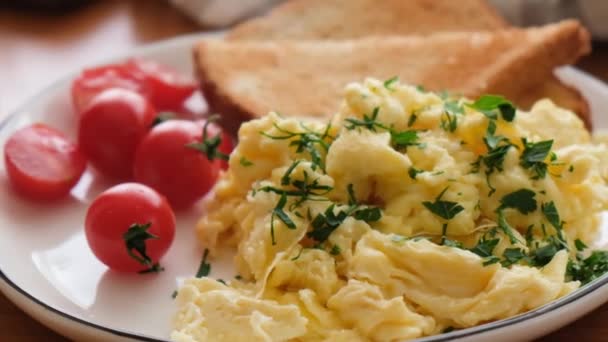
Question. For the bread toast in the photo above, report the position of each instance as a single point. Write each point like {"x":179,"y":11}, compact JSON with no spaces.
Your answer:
{"x":349,"y":19}
{"x":249,"y":79}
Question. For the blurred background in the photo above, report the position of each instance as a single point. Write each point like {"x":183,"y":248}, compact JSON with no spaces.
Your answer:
{"x":43,"y":40}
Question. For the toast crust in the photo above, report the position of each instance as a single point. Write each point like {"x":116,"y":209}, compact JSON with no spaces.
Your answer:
{"x":245,"y":80}
{"x":347,"y":19}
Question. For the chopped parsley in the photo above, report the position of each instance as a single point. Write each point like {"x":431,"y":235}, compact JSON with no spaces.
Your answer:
{"x":325,"y":223}
{"x":542,"y":255}
{"x":485,"y":249}
{"x":399,"y":139}
{"x":135,"y":241}
{"x":245,"y":162}
{"x":204,"y":268}
{"x":335,"y":250}
{"x":444,"y":209}
{"x":522,"y":200}
{"x":279,"y":213}
{"x":209,"y":146}
{"x":534,"y":155}
{"x":513,"y":256}
{"x":412,"y":120}
{"x":550,"y":212}
{"x":449,"y":119}
{"x":403,"y":139}
{"x":506,"y":227}
{"x":372,"y":214}
{"x":489,"y":104}
{"x":413,"y":172}
{"x":313,"y":143}
{"x":580,"y":245}
{"x":498,"y":147}
{"x":588,"y":269}
{"x":388,"y":83}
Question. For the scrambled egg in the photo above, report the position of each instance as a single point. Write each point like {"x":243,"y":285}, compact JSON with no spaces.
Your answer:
{"x":408,"y":214}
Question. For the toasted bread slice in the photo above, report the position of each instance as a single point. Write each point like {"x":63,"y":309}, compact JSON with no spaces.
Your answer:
{"x":249,"y":79}
{"x":349,"y":19}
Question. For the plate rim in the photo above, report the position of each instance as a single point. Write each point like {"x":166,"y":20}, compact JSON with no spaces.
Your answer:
{"x":476,"y":330}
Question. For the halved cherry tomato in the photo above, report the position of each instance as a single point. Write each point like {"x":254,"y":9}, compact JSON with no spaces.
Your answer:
{"x":161,"y":85}
{"x":95,"y":80}
{"x":42,"y":163}
{"x":130,"y":227}
{"x":167,"y":89}
{"x":168,"y":160}
{"x":111,"y":127}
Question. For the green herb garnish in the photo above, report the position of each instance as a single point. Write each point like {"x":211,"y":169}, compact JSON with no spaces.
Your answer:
{"x":489,"y":104}
{"x":135,"y":241}
{"x":413,"y":172}
{"x":588,"y":269}
{"x":204,"y":268}
{"x":308,"y":141}
{"x":534,"y":155}
{"x":444,"y":209}
{"x":209,"y":146}
{"x":388,"y":83}
{"x":245,"y":162}
{"x":523,"y":200}
{"x":335,"y":250}
{"x":513,"y":256}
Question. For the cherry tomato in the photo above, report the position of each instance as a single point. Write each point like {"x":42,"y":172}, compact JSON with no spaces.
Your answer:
{"x":111,"y":128}
{"x":125,"y":218}
{"x":167,"y":160}
{"x":167,"y":89}
{"x":42,"y":163}
{"x":95,"y":80}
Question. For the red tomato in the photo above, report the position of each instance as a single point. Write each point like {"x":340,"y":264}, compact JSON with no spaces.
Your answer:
{"x":95,"y":80}
{"x":166,"y":161}
{"x":111,"y":128}
{"x":167,"y":89}
{"x":124,"y":217}
{"x":42,"y":163}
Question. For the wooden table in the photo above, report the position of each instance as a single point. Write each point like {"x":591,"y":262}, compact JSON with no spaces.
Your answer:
{"x":37,"y":48}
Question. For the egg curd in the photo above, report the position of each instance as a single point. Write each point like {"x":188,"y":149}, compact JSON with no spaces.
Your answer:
{"x":409,"y":214}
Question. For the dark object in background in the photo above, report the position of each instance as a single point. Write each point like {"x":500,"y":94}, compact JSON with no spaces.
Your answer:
{"x":45,"y":5}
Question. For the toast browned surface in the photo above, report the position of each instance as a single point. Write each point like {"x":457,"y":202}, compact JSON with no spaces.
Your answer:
{"x":349,"y":19}
{"x":249,"y":79}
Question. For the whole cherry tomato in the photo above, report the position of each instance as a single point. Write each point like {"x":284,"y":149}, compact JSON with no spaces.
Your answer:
{"x":174,"y":160}
{"x":130,"y":227}
{"x":111,"y":127}
{"x":42,"y":163}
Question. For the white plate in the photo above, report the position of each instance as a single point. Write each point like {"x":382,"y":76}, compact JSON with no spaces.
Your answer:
{"x":47,"y":269}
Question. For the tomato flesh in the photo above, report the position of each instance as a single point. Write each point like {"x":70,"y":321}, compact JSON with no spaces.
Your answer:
{"x":111,"y":128}
{"x":226,"y":146}
{"x":42,"y":163}
{"x":165,"y":163}
{"x":118,"y":208}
